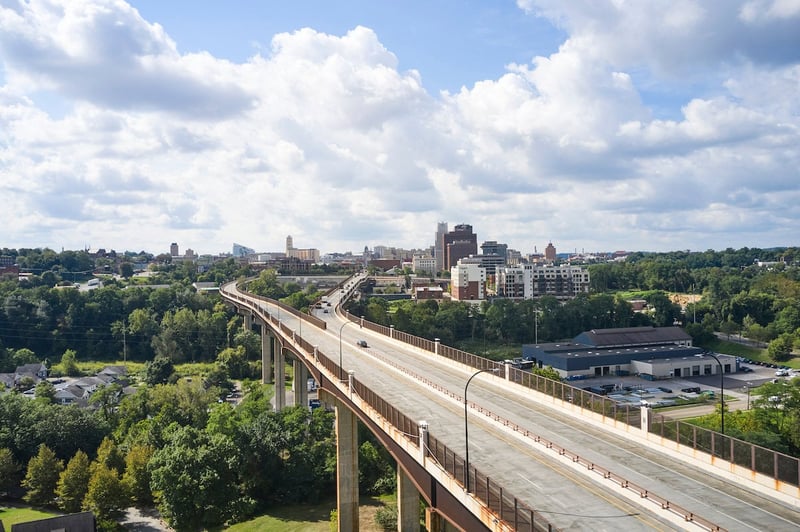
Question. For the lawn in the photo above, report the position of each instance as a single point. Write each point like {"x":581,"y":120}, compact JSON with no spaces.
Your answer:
{"x":312,"y":518}
{"x":11,"y":515}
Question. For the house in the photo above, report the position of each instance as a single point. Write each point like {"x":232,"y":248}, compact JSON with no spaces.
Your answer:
{"x":37,"y":372}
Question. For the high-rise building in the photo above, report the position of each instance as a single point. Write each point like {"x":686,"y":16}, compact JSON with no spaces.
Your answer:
{"x":491,"y":247}
{"x":289,"y":244}
{"x":550,"y":252}
{"x":173,"y":249}
{"x":459,"y":243}
{"x":242,"y":251}
{"x":438,"y":246}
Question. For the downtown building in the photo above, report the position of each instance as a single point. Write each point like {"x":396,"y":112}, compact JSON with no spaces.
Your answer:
{"x":532,"y":280}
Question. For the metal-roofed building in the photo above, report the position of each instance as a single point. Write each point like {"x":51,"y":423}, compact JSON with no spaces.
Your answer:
{"x":651,"y":352}
{"x":634,"y":336}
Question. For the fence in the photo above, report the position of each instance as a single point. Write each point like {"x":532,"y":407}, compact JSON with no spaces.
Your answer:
{"x":781,"y":467}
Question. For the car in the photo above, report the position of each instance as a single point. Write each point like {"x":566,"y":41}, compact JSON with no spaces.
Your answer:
{"x":782,"y":373}
{"x":362,"y":343}
{"x":665,"y":390}
{"x":692,"y":389}
{"x":325,"y":311}
{"x":746,"y":369}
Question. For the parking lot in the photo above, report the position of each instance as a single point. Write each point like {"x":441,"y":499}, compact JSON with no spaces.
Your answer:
{"x":635,"y":390}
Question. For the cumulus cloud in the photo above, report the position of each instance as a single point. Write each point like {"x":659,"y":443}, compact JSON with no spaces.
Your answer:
{"x":323,"y":137}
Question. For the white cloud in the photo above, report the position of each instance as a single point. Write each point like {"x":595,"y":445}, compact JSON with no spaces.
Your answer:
{"x":325,"y":139}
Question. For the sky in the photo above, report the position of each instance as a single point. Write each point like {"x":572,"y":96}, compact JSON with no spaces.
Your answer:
{"x":597,"y":125}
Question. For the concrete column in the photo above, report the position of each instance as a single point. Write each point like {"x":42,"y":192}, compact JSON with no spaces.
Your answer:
{"x":407,"y":503}
{"x":346,"y":469}
{"x":508,"y":370}
{"x":280,"y":378}
{"x":391,"y":331}
{"x":267,"y":354}
{"x":300,"y":384}
{"x":646,"y":412}
{"x":436,"y":344}
{"x":248,"y":320}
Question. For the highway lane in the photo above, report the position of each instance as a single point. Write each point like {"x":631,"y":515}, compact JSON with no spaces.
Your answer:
{"x":524,"y":470}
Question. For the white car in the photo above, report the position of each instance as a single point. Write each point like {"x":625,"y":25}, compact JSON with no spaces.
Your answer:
{"x":782,"y":373}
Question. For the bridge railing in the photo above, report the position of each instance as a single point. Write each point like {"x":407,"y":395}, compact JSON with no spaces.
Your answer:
{"x":510,"y":509}
{"x":781,"y":467}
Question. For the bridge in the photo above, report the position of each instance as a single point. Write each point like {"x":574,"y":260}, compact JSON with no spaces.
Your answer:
{"x":491,"y":447}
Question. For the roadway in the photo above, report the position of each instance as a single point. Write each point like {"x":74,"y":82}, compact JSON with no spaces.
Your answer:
{"x":570,"y":497}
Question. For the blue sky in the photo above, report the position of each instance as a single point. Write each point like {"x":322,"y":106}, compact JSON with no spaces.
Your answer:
{"x":451,"y":43}
{"x":595,"y":124}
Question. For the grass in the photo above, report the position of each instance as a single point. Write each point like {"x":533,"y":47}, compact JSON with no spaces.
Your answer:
{"x":312,"y":517}
{"x":11,"y":515}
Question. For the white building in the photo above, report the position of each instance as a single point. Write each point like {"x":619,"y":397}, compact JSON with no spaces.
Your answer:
{"x":424,"y":264}
{"x":536,"y":280}
{"x":468,"y":282}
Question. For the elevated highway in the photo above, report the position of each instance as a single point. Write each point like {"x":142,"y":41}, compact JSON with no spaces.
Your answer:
{"x":538,"y":459}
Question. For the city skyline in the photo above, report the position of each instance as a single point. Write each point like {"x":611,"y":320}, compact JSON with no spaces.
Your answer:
{"x":599,"y":126}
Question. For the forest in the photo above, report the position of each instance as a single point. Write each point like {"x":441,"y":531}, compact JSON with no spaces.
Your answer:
{"x":173,"y":444}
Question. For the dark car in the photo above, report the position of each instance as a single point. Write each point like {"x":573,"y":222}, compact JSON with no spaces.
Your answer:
{"x":746,"y":369}
{"x":362,"y":343}
{"x":693,"y":389}
{"x":665,"y":390}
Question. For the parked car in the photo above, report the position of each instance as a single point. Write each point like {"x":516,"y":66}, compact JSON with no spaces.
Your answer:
{"x":692,"y":389}
{"x":665,"y":390}
{"x":362,"y":343}
{"x":782,"y":373}
{"x":745,"y":369}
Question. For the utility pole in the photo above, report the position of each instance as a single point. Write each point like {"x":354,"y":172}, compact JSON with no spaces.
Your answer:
{"x":124,"y":342}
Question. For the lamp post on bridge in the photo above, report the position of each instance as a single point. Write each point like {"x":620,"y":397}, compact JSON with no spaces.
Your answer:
{"x":466,"y":424}
{"x":721,"y":392}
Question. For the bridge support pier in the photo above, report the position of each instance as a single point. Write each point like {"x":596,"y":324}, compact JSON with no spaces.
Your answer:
{"x":407,"y":503}
{"x":267,"y":355}
{"x":346,"y":468}
{"x":300,"y":384}
{"x":280,"y":378}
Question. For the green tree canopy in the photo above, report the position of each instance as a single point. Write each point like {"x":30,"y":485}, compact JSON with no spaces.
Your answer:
{"x":41,"y":478}
{"x":73,"y":483}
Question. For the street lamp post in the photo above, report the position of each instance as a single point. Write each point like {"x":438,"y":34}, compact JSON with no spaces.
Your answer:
{"x":466,"y":425}
{"x":536,"y":326}
{"x":721,"y":392}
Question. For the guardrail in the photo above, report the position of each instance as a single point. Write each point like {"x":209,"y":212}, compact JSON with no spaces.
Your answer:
{"x":779,"y":466}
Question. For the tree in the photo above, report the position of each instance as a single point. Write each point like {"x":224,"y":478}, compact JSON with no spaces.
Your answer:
{"x":195,"y":479}
{"x":137,"y":478}
{"x":109,"y":456}
{"x":24,"y":356}
{"x":106,"y":495}
{"x":45,"y":392}
{"x":9,"y":470}
{"x":234,"y":360}
{"x":69,"y":363}
{"x":780,"y":349}
{"x":158,"y":371}
{"x":126,"y":270}
{"x":73,"y":483}
{"x":41,"y":478}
